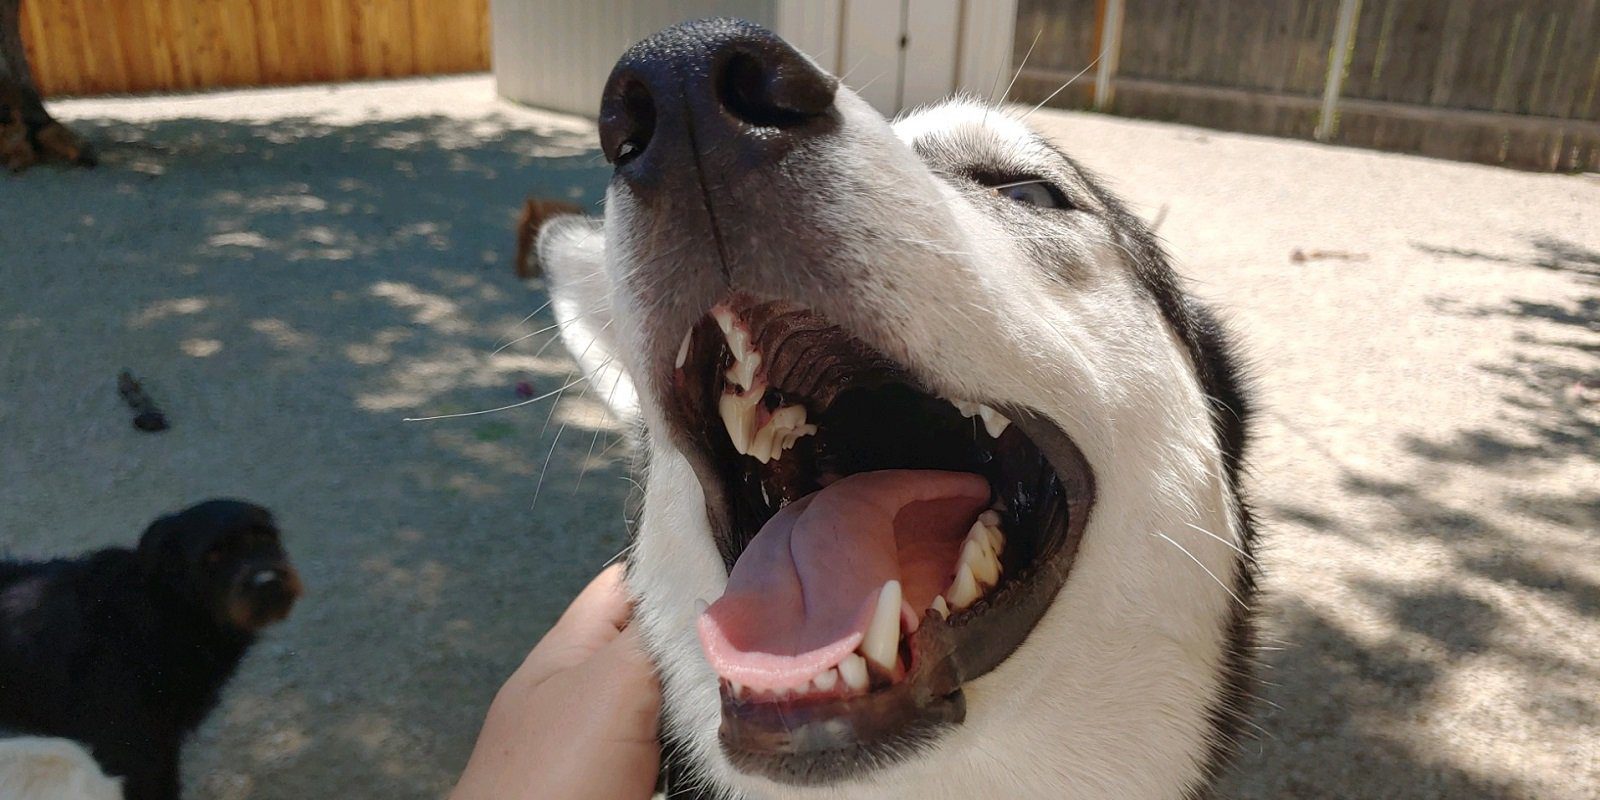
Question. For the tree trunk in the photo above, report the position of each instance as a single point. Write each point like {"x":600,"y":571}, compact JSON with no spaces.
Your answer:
{"x":28,"y":134}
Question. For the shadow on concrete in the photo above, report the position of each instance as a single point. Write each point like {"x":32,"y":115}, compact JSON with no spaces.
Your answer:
{"x":289,"y":292}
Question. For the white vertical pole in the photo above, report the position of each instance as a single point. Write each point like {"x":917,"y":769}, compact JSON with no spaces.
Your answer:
{"x":1338,"y":63}
{"x":1110,"y":51}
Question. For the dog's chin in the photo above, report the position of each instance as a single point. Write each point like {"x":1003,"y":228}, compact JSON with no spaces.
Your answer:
{"x":942,"y":529}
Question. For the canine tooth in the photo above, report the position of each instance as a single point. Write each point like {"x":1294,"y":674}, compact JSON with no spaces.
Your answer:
{"x":993,"y":421}
{"x":881,"y":645}
{"x":982,"y":563}
{"x":942,"y":607}
{"x":853,"y":669}
{"x":743,"y":371}
{"x":736,"y":688}
{"x":826,"y":679}
{"x":964,"y":589}
{"x":724,"y":317}
{"x":739,"y":416}
{"x":683,"y":349}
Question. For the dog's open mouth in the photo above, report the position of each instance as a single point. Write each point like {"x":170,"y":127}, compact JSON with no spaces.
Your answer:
{"x":884,"y":544}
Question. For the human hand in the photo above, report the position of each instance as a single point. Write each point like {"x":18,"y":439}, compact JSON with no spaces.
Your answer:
{"x":578,"y":718}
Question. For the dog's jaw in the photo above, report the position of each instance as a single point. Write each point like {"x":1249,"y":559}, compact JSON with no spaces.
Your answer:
{"x":1115,"y":691}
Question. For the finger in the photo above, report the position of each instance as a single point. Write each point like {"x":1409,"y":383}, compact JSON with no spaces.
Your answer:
{"x":626,"y":678}
{"x":593,"y":619}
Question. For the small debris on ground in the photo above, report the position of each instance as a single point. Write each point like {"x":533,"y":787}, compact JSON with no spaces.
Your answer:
{"x":1302,"y":256}
{"x":147,"y":417}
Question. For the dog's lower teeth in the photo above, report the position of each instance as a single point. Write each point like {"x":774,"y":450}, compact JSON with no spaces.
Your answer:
{"x":963,"y":590}
{"x":881,"y":645}
{"x":853,"y":669}
{"x":942,"y":607}
{"x":825,"y":681}
{"x":978,"y":569}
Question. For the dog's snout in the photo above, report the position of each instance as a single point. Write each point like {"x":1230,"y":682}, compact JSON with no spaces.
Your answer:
{"x":707,"y":89}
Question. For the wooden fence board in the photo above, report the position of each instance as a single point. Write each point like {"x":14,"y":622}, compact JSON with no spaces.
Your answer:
{"x":1515,"y":83}
{"x":81,"y":47}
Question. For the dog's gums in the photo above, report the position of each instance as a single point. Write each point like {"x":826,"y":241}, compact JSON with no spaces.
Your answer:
{"x":884,"y":544}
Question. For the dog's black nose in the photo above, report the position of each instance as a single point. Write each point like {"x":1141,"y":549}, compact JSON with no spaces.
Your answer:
{"x":723,"y":91}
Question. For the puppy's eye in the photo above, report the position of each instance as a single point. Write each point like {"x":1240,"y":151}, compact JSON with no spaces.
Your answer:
{"x":1033,"y":193}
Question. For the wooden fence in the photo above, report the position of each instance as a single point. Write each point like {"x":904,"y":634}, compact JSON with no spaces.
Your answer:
{"x":113,"y":46}
{"x":1495,"y":81}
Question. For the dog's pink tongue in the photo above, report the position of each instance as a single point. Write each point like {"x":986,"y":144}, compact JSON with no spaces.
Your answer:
{"x":802,"y":594}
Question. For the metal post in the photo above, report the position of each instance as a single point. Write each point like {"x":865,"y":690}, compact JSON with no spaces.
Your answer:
{"x":1338,"y":63}
{"x":1110,"y":51}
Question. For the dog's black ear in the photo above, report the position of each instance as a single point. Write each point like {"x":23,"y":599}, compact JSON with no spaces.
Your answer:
{"x":160,"y":549}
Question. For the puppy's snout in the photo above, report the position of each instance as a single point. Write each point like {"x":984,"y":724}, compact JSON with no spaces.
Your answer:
{"x":701,"y":91}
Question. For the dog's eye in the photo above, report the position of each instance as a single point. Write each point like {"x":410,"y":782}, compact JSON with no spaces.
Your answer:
{"x":1033,"y":193}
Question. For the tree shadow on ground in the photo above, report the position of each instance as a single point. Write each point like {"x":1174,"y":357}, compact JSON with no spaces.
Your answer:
{"x":1355,"y":698}
{"x":289,"y":292}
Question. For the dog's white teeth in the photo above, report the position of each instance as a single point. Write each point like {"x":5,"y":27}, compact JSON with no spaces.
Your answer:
{"x":724,"y":317}
{"x":993,"y":421}
{"x":826,"y":680}
{"x":977,"y":556}
{"x":963,"y":590}
{"x":853,"y":669}
{"x":736,"y":688}
{"x":881,"y":645}
{"x":781,"y":431}
{"x":942,"y":607}
{"x":746,"y":360}
{"x":978,"y":568}
{"x":739,"y":417}
{"x":683,"y":349}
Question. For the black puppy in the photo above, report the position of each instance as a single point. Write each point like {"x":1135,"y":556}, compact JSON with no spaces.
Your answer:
{"x":127,"y":650}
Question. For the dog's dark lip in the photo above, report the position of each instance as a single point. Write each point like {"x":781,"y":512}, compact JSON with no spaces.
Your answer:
{"x":808,"y":740}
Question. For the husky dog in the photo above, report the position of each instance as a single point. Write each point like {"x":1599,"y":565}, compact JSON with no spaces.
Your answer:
{"x":943,"y":464}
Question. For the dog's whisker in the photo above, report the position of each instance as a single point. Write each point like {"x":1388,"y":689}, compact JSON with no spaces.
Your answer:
{"x":1201,"y":565}
{"x":524,"y":320}
{"x":519,"y":404}
{"x":551,"y":327}
{"x":1236,"y":548}
{"x":589,"y":457}
{"x":992,"y":99}
{"x":1070,"y":81}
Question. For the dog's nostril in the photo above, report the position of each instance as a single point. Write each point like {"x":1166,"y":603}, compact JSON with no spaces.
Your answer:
{"x":774,"y":90}
{"x":625,"y":136}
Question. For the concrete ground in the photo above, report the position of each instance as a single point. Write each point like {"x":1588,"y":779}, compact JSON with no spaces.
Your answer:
{"x":294,"y":272}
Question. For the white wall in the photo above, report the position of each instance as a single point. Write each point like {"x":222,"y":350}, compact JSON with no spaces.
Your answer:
{"x":558,"y":53}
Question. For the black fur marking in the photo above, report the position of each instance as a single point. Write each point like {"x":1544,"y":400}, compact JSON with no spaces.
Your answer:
{"x":1226,"y":390}
{"x":127,"y":650}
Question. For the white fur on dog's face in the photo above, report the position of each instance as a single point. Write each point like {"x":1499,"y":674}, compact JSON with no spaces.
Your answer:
{"x":1113,"y":693}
